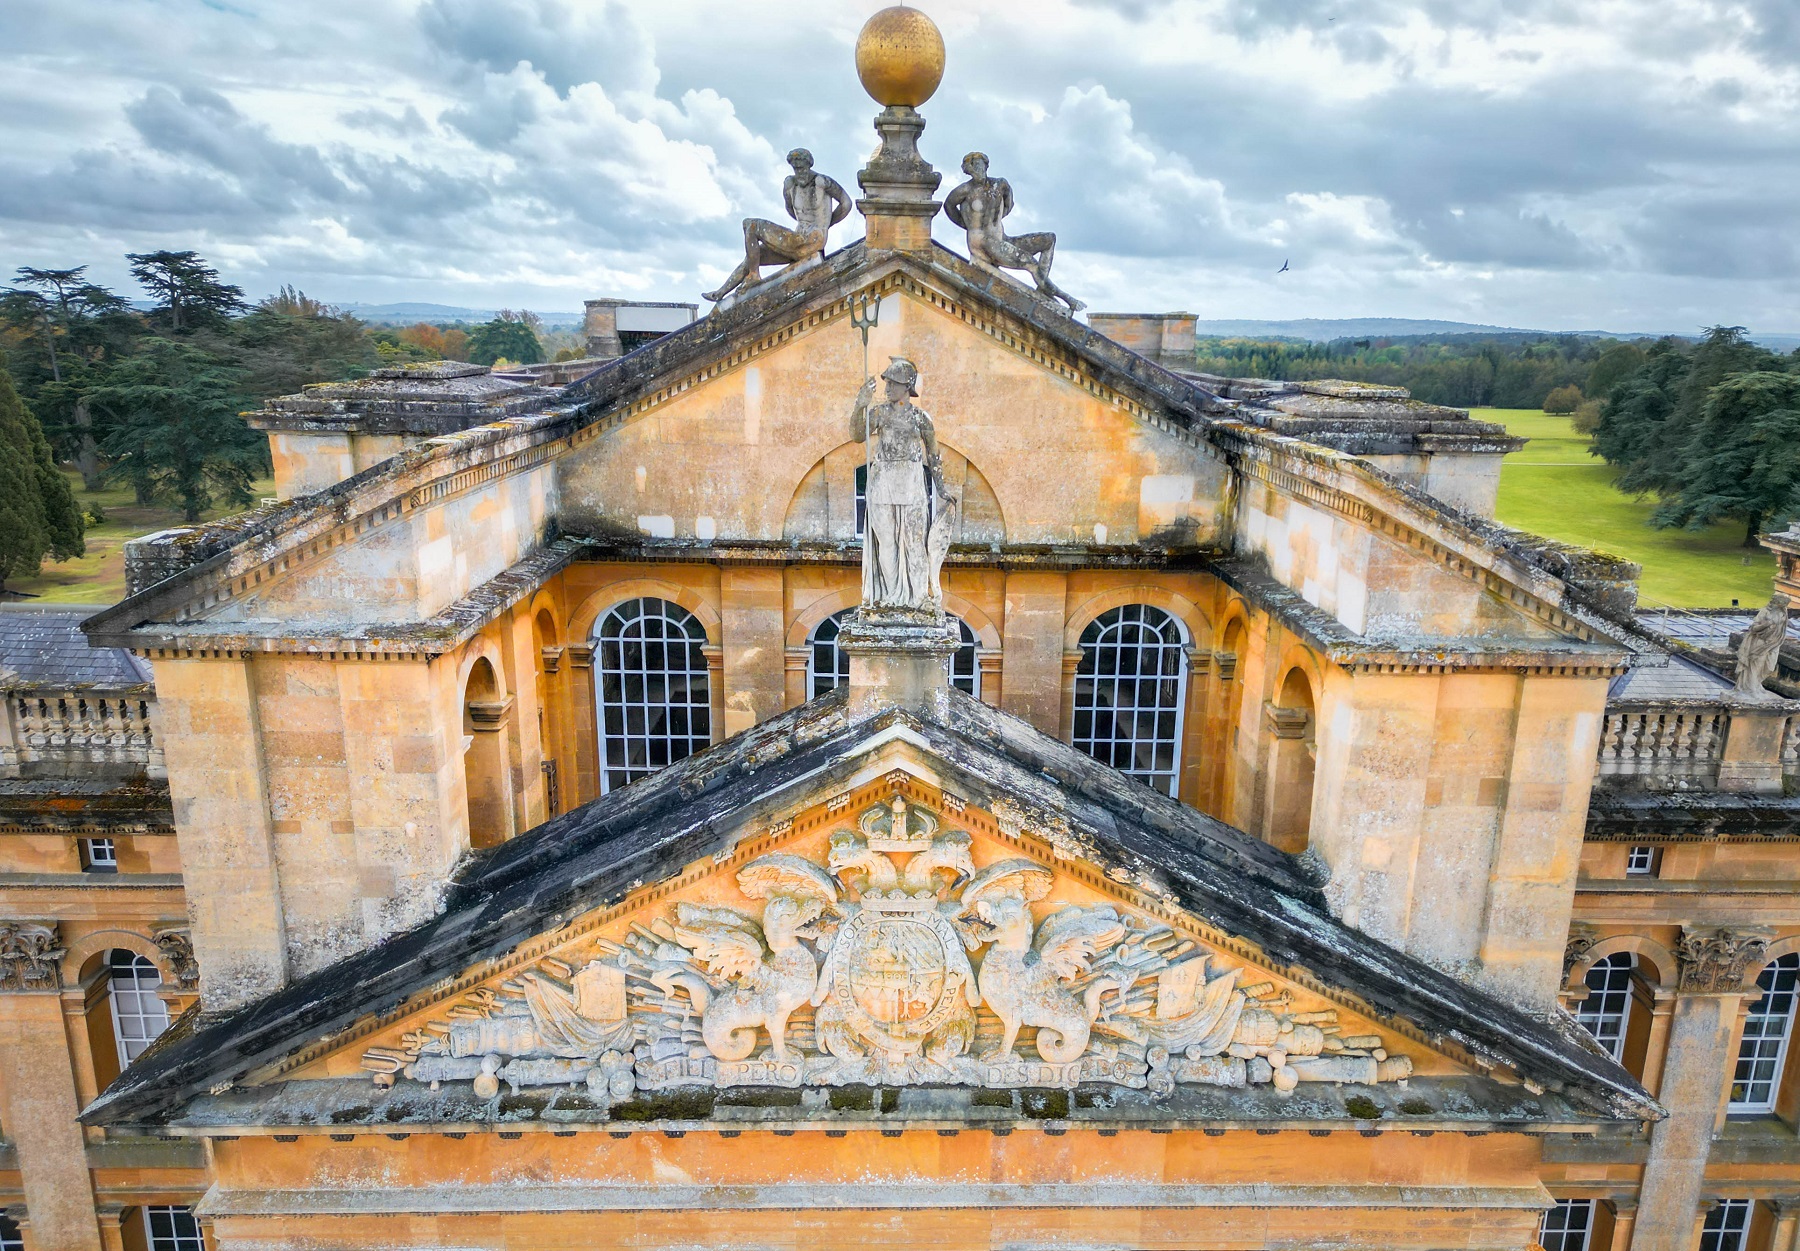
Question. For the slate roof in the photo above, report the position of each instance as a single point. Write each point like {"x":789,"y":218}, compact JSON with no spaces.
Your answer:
{"x":1679,"y":679}
{"x":45,"y":648}
{"x":594,"y":856}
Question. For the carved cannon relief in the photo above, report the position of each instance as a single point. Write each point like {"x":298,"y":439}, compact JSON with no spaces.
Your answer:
{"x":896,"y":962}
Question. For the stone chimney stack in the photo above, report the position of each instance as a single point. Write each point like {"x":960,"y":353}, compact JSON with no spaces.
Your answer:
{"x":900,"y":59}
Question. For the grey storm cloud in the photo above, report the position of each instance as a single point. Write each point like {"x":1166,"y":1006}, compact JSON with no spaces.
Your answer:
{"x":1411,"y":157}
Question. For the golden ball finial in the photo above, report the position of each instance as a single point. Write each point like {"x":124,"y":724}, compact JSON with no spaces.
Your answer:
{"x":900,"y":57}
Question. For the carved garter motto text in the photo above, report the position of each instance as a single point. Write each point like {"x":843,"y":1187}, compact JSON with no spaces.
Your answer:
{"x":897,"y":962}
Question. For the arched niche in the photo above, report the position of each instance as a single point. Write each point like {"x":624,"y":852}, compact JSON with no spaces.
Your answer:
{"x":486,"y":779}
{"x":1293,"y":746}
{"x":823,"y":508}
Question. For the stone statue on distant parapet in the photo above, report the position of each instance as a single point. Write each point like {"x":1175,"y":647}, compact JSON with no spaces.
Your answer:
{"x":1760,"y":651}
{"x":814,"y":200}
{"x":979,"y":206}
{"x":910,"y":510}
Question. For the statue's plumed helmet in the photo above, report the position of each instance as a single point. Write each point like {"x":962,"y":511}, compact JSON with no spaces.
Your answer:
{"x":800,"y":156}
{"x":904,"y":372}
{"x":969,"y":161}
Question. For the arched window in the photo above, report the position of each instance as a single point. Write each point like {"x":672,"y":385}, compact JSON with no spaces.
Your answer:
{"x":1130,"y":693}
{"x":1566,"y":1226}
{"x":655,"y":701}
{"x":1763,"y":1052}
{"x":138,"y":1016}
{"x":828,"y":666}
{"x":172,"y":1228}
{"x":1727,"y":1226}
{"x":1606,"y":1012}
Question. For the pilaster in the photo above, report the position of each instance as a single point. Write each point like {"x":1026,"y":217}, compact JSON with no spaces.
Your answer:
{"x":1032,"y":647}
{"x":42,"y":1098}
{"x":212,"y":740}
{"x":1695,"y":1076}
{"x":751,"y":612}
{"x":583,"y":774}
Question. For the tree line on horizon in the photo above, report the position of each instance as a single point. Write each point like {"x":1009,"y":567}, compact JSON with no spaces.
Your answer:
{"x":154,"y":396}
{"x":1708,"y":426}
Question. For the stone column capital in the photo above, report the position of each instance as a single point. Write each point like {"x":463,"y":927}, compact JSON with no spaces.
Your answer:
{"x":31,"y":955}
{"x":1582,"y":938}
{"x":1714,"y":961}
{"x":178,"y":948}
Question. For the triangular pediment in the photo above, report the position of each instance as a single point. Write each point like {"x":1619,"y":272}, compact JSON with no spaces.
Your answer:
{"x":629,"y":959}
{"x":751,"y":406}
{"x":894,"y":935}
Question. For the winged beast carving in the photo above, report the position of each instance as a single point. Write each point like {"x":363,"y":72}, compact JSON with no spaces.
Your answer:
{"x":768,"y":971}
{"x":897,"y":961}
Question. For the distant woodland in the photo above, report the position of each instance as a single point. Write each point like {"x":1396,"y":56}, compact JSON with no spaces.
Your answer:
{"x":148,"y":390}
{"x":1710,"y":427}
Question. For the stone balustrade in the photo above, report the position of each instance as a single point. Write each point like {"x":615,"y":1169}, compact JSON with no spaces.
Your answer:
{"x":1672,"y":745}
{"x":46,"y":733}
{"x":1677,"y":746}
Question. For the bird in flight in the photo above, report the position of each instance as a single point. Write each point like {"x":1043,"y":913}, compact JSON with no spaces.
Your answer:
{"x":1284,"y":267}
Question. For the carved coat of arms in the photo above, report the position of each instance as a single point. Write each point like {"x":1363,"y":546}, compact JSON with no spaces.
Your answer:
{"x":896,"y":962}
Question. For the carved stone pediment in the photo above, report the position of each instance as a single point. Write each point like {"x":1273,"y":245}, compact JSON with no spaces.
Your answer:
{"x":894,"y":937}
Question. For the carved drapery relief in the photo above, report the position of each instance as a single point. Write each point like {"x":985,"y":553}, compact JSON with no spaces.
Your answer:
{"x":178,"y":949}
{"x":896,"y":962}
{"x":1714,"y":961}
{"x":30,"y":956}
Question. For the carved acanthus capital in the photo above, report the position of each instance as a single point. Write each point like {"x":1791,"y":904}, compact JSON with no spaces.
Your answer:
{"x":1582,"y":938}
{"x":1714,"y":961}
{"x":30,"y":956}
{"x":178,"y":949}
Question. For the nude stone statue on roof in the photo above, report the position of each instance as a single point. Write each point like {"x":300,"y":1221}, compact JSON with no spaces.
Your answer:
{"x":979,"y":206}
{"x":910,"y":510}
{"x":1759,"y":654}
{"x":814,"y":200}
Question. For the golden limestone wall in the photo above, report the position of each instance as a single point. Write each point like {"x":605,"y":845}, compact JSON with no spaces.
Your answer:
{"x":965,"y":1190}
{"x":726,"y":456}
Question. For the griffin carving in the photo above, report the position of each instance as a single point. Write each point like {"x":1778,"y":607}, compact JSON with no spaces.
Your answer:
{"x":1042,"y":982}
{"x":766,"y":971}
{"x":896,"y":962}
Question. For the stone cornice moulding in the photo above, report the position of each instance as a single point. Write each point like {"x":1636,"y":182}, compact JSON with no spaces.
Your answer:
{"x":1345,"y":484}
{"x":409,"y":640}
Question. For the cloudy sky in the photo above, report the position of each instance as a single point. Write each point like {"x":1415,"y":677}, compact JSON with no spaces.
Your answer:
{"x":1566,"y":164}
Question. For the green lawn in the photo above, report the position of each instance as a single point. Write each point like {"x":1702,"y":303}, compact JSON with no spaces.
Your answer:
{"x":1554,"y":488}
{"x":99,"y":576}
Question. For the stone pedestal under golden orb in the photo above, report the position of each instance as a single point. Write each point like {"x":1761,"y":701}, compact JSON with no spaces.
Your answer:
{"x":900,"y":59}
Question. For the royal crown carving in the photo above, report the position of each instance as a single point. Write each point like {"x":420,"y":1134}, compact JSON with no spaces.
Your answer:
{"x":895,"y":962}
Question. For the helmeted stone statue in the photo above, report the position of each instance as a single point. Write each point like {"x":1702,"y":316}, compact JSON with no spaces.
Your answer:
{"x":814,"y":200}
{"x":910,"y":510}
{"x":979,"y":206}
{"x":1759,"y":653}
